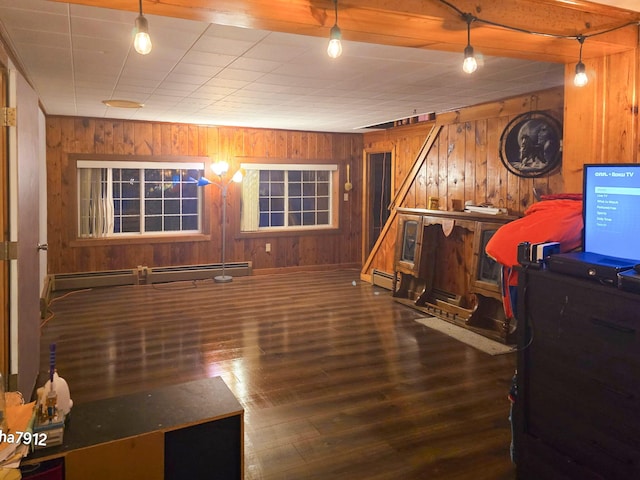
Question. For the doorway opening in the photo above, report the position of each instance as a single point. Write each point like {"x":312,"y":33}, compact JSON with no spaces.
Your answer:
{"x":379,"y":197}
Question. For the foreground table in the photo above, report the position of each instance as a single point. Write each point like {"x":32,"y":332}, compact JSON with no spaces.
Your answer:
{"x":191,"y":430}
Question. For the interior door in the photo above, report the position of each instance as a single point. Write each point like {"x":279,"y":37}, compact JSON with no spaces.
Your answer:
{"x":24,"y":171}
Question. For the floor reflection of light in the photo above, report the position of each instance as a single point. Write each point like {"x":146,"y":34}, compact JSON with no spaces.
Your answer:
{"x":233,"y":373}
{"x":112,"y":354}
{"x":239,"y":373}
{"x":212,"y":367}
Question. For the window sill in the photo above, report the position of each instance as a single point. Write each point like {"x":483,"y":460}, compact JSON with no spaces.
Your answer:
{"x":138,"y":240}
{"x":289,"y":233}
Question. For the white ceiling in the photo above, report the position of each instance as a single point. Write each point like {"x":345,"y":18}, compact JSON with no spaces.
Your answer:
{"x":76,"y":56}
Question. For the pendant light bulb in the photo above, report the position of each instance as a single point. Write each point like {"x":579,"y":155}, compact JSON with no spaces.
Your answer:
{"x":334,"y":50}
{"x":581,"y":79}
{"x":142,"y":40}
{"x":470,"y":63}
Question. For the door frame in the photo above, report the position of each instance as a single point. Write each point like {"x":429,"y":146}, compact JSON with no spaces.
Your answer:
{"x":383,"y":147}
{"x":4,"y":236}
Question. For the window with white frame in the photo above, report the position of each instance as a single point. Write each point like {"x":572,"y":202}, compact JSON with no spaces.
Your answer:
{"x":118,"y":198}
{"x":288,"y":196}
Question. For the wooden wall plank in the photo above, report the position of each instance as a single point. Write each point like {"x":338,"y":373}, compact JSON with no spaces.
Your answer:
{"x":67,"y":136}
{"x":465,"y":163}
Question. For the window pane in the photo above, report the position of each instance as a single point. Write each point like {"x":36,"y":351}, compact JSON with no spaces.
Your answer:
{"x":295,"y":189}
{"x":153,"y":224}
{"x":129,"y":190}
{"x":323,"y":203}
{"x":308,"y":218}
{"x":153,"y":175}
{"x":323,"y":176}
{"x":277,"y":205}
{"x":190,"y":222}
{"x":131,"y":207}
{"x":295,"y":219}
{"x":323,"y":189}
{"x":277,"y":189}
{"x":277,"y":219}
{"x":323,"y":218}
{"x":130,"y":175}
{"x":309,"y":189}
{"x":295,"y":176}
{"x":309,"y":204}
{"x":190,"y":207}
{"x":171,"y":207}
{"x":309,"y":176}
{"x":189,"y":190}
{"x":277,"y":175}
{"x":172,"y":224}
{"x":295,"y":204}
{"x":153,"y":207}
{"x":130,"y":225}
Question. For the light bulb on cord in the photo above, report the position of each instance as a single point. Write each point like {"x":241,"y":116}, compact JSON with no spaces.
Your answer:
{"x":334,"y":50}
{"x":470,"y":64}
{"x":142,"y":40}
{"x":581,"y":79}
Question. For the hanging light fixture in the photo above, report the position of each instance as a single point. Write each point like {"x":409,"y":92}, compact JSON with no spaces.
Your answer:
{"x":334,"y":50}
{"x":470,"y":64}
{"x":581,"y":79}
{"x":142,"y":41}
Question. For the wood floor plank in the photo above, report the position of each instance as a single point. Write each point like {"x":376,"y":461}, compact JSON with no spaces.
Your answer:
{"x":337,"y":381}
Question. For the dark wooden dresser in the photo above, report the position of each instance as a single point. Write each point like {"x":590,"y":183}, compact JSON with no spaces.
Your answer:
{"x":577,"y":414}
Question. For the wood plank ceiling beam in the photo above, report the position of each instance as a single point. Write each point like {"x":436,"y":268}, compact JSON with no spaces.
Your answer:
{"x":422,"y":24}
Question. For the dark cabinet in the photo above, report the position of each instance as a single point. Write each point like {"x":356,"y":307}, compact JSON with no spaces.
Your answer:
{"x":578,"y":408}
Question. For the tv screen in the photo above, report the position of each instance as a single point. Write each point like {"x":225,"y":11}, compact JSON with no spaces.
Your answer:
{"x":610,"y":210}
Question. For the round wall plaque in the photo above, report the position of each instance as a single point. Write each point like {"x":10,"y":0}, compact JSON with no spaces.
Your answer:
{"x":531,"y":144}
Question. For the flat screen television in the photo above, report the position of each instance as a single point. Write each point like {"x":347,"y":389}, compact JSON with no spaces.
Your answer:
{"x":611,"y":210}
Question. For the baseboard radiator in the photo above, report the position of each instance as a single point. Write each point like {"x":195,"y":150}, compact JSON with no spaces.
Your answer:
{"x":382,"y":279}
{"x":196,"y":272}
{"x":143,"y":275}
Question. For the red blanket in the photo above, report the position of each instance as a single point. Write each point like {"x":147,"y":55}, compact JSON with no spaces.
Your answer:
{"x":558,"y":220}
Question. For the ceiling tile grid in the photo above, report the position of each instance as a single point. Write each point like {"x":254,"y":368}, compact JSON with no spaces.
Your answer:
{"x":77,"y":56}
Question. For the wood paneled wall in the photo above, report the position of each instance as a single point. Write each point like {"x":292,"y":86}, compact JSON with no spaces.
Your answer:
{"x":601,"y":118}
{"x":67,"y":136}
{"x":464,"y":162}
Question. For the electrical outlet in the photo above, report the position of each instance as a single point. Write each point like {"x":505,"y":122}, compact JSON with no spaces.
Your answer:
{"x":346,"y":197}
{"x":267,"y":248}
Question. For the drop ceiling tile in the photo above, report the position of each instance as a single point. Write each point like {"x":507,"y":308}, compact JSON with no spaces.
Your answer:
{"x":51,"y":22}
{"x":222,"y":45}
{"x":206,"y":58}
{"x":239,"y":75}
{"x":184,"y":68}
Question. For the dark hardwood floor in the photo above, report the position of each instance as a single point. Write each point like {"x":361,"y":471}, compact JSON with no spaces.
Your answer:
{"x":337,"y":381}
